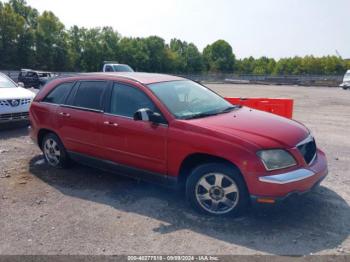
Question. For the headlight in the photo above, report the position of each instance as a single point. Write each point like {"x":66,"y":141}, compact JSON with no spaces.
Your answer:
{"x":276,"y":159}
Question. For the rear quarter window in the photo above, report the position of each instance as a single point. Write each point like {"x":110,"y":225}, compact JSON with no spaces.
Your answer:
{"x":59,"y":93}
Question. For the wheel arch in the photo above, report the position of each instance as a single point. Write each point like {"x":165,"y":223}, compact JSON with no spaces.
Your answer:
{"x":42,"y":133}
{"x":195,"y":159}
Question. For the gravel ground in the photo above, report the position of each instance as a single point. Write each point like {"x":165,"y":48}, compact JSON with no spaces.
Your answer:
{"x":87,"y":211}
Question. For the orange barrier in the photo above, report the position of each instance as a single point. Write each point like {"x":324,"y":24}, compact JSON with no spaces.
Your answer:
{"x":278,"y":106}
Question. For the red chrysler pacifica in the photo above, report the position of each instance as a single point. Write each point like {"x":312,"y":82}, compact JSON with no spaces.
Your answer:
{"x":176,"y":132}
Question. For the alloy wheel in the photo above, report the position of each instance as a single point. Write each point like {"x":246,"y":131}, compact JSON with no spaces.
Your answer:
{"x":52,"y":152}
{"x":217,"y":193}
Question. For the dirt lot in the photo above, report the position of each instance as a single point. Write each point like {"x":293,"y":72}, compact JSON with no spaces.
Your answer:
{"x":86,"y":211}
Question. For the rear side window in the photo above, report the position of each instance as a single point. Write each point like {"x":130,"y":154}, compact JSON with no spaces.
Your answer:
{"x":126,"y":100}
{"x":90,"y":95}
{"x":58,"y":94}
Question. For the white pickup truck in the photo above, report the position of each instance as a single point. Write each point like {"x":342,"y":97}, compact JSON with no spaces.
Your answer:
{"x":346,"y":81}
{"x":110,"y":66}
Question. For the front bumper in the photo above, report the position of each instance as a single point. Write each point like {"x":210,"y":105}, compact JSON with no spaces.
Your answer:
{"x":347,"y":84}
{"x":289,"y":177}
{"x":276,"y":187}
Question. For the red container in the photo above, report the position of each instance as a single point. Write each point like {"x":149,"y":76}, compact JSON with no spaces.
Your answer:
{"x":278,"y":106}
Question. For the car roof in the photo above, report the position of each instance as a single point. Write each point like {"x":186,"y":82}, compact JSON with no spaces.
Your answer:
{"x":34,"y":71}
{"x":144,"y":78}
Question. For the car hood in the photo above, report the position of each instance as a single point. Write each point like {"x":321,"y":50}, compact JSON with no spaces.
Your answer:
{"x":15,"y":93}
{"x":263,"y":129}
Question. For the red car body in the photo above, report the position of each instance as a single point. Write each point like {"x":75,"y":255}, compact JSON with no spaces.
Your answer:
{"x":169,"y":151}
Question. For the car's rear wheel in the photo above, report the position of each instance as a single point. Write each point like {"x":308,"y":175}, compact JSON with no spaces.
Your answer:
{"x":217,"y":189}
{"x":54,"y":151}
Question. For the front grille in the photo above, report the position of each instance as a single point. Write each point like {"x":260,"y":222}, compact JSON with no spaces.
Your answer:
{"x":25,"y":101}
{"x":15,"y":102}
{"x":308,"y":150}
{"x":4,"y":103}
{"x":14,"y":116}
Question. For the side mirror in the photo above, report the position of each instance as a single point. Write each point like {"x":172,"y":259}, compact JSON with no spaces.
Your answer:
{"x":20,"y":84}
{"x":145,"y":114}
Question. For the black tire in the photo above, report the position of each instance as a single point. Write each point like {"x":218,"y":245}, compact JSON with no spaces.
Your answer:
{"x":195,"y":190}
{"x":51,"y":144}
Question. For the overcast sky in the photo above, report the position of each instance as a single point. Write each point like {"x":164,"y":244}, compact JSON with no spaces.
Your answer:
{"x":274,"y":28}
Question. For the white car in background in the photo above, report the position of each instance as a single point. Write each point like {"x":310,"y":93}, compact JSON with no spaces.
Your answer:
{"x":346,"y":81}
{"x":110,"y":66}
{"x":14,"y":101}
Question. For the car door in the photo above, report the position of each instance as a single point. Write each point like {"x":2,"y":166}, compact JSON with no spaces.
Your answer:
{"x":47,"y":110}
{"x":80,"y":119}
{"x":137,"y":144}
{"x":29,"y":79}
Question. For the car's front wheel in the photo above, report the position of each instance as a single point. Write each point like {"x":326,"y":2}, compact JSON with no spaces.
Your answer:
{"x":54,"y":151}
{"x":217,"y":189}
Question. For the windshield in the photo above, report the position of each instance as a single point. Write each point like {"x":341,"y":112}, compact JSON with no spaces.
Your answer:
{"x":6,"y":83}
{"x":187,"y":99}
{"x":122,"y":68}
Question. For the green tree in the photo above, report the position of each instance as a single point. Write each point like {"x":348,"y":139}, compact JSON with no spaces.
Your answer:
{"x":75,"y":43}
{"x":133,"y":51}
{"x":218,"y":57}
{"x":26,"y":41}
{"x":92,"y":53}
{"x":263,"y":66}
{"x":156,"y":53}
{"x":52,"y":44}
{"x":194,"y":61}
{"x":179,"y":49}
{"x":11,"y":29}
{"x":187,"y":59}
{"x":245,"y":66}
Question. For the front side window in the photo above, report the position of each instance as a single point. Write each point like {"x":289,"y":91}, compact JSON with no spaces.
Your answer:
{"x":6,"y":82}
{"x":126,"y":100}
{"x":109,"y":69}
{"x":58,"y":94}
{"x":186,"y":99}
{"x":90,"y":95}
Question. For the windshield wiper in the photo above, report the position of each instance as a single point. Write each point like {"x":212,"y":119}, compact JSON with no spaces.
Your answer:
{"x":200,"y":115}
{"x":228,"y":109}
{"x":225,"y":110}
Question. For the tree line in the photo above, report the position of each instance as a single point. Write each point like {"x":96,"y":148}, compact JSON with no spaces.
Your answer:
{"x":29,"y":39}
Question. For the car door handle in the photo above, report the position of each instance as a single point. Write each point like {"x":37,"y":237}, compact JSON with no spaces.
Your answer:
{"x":110,"y":123}
{"x":64,"y":114}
